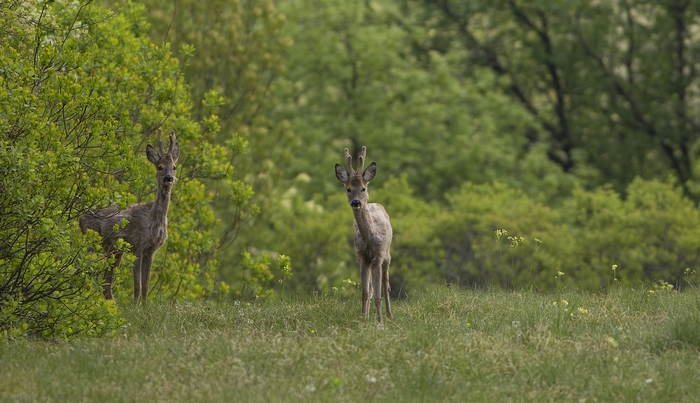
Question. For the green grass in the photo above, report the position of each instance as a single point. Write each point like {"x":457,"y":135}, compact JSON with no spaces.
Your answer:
{"x":444,"y":344}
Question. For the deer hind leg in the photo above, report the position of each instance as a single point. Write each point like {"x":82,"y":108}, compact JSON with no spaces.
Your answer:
{"x":386,"y":287}
{"x":109,"y":276}
{"x":377,"y":288}
{"x":365,"y":280}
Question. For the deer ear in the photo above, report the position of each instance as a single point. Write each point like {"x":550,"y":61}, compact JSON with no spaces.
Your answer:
{"x":369,"y":173}
{"x":341,"y":173}
{"x":152,"y":154}
{"x":175,"y":153}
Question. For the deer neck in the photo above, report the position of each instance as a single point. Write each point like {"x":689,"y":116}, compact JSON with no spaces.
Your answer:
{"x":365,"y":223}
{"x":159,"y":209}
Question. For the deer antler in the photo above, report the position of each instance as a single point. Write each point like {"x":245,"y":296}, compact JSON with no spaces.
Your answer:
{"x":361,"y":164}
{"x":161,"y":150}
{"x":348,"y":160}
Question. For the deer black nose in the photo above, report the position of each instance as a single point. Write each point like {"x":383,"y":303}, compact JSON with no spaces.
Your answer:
{"x":168,"y":178}
{"x":355,"y":203}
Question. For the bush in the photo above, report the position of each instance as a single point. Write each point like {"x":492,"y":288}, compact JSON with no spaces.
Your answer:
{"x":84,"y":91}
{"x":495,"y":235}
{"x":654,"y":234}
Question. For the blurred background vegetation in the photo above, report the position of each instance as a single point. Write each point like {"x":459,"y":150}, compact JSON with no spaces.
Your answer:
{"x":514,"y":140}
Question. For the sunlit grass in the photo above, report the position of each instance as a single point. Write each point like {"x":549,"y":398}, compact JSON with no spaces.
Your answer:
{"x":445,"y":344}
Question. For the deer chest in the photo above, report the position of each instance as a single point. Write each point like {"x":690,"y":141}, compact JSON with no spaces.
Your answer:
{"x":159,"y":235}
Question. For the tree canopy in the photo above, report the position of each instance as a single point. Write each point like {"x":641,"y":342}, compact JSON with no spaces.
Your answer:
{"x":514,"y":141}
{"x":613,"y":84}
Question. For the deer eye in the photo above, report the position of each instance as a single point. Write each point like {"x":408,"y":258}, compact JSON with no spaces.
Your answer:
{"x":174,"y":168}
{"x":160,"y":167}
{"x":348,"y":190}
{"x":363,"y":189}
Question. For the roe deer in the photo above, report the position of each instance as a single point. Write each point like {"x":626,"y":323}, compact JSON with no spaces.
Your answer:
{"x":147,"y":226}
{"x":372,"y":233}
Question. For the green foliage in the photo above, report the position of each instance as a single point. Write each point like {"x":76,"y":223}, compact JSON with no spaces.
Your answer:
{"x":84,"y":91}
{"x":233,"y":53}
{"x":232,"y":47}
{"x":476,"y":254}
{"x":319,"y":239}
{"x":256,"y":277}
{"x":651,"y":235}
{"x":482,"y":116}
{"x":610,"y":83}
{"x":518,"y":144}
{"x":55,"y":132}
{"x":353,"y":79}
{"x":416,"y":253}
{"x":496,"y":235}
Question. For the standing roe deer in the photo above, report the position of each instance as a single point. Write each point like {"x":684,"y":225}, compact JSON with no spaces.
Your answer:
{"x":372,"y":233}
{"x":147,"y":227}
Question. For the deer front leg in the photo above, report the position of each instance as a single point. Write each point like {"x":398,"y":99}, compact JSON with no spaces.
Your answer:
{"x":137,"y":277}
{"x":365,"y":283}
{"x":109,"y":276}
{"x":385,"y":286}
{"x":146,"y":274}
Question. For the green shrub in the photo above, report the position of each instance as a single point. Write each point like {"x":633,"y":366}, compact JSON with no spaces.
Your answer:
{"x":492,"y":234}
{"x":84,"y":91}
{"x":653,"y":234}
{"x":416,"y":252}
{"x":318,"y":238}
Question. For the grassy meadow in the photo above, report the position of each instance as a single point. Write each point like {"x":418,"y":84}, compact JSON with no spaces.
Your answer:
{"x":444,"y":344}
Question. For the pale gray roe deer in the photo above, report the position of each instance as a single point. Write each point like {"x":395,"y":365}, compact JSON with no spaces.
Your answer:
{"x":147,"y":227}
{"x":372,"y":233}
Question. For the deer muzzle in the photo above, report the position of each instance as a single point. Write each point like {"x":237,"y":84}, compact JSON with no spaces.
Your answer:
{"x":356,"y":204}
{"x":168,"y":179}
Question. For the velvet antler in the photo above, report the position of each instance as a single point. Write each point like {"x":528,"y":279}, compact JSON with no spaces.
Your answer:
{"x":348,"y":161}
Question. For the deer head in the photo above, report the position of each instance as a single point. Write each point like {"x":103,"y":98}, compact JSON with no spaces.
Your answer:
{"x":165,"y":162}
{"x":356,"y":181}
